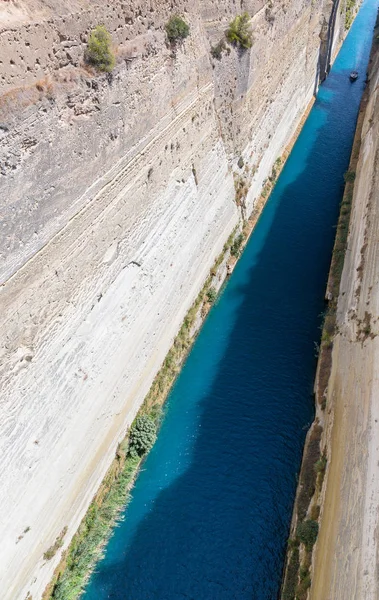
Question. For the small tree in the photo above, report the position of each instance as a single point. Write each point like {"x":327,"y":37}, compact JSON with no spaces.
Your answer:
{"x":211,"y":295}
{"x":239,"y":32}
{"x":235,"y":248}
{"x":177,"y":29}
{"x":307,"y":533}
{"x":143,"y":434}
{"x":99,"y":51}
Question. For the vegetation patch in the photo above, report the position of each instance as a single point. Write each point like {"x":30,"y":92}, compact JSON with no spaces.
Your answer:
{"x":349,"y":176}
{"x":143,"y":434}
{"x":51,"y":552}
{"x":350,"y":12}
{"x":307,"y":533}
{"x":99,"y":50}
{"x":292,"y":574}
{"x":87,"y":544}
{"x":241,"y":188}
{"x":177,"y":29}
{"x":239,"y":32}
{"x":218,"y":49}
{"x":235,"y":249}
{"x":308,"y":474}
{"x":211,"y":295}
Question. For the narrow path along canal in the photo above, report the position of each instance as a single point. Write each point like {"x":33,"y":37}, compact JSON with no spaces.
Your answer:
{"x":210,"y":512}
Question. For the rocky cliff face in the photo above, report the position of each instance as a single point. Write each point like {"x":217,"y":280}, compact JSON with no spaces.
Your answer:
{"x":346,"y":561}
{"x":117,"y":194}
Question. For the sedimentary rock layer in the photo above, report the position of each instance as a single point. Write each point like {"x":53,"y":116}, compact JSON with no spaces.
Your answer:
{"x":117,"y":194}
{"x":346,"y":564}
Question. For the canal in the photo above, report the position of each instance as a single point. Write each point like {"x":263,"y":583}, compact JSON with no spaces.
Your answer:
{"x":210,"y":511}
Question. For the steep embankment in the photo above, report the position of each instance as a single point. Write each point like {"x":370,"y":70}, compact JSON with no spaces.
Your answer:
{"x":117,"y":195}
{"x":348,"y":543}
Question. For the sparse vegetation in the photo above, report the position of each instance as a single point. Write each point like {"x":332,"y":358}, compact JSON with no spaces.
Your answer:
{"x":51,"y":552}
{"x":320,"y":465}
{"x":349,"y":176}
{"x":177,"y":29}
{"x":241,"y":188}
{"x":239,"y":32}
{"x":217,"y":50}
{"x":99,"y":51}
{"x":349,"y":15}
{"x":85,"y":548}
{"x":142,"y":436}
{"x":307,"y":481}
{"x":303,"y":585}
{"x":291,"y":580}
{"x":211,"y":295}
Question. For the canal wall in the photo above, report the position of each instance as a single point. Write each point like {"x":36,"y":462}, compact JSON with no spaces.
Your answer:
{"x":338,"y":487}
{"x":345,"y":561}
{"x":118,"y":193}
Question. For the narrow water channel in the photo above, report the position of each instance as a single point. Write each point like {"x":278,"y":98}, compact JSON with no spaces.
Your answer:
{"x":210,"y":512}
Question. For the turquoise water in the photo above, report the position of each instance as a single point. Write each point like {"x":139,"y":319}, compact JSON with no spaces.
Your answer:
{"x":211,"y":508}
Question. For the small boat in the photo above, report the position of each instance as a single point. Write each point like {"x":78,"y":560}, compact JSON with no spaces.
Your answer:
{"x":353,"y":75}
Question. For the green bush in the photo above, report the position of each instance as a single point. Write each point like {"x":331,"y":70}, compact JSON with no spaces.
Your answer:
{"x":236,"y":246}
{"x":177,"y":29}
{"x":99,"y":51}
{"x":307,"y":533}
{"x":211,"y":295}
{"x":349,"y":176}
{"x":239,"y":32}
{"x":320,"y":465}
{"x":143,"y":434}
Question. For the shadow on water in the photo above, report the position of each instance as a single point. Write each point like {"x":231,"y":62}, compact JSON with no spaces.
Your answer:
{"x":217,"y":528}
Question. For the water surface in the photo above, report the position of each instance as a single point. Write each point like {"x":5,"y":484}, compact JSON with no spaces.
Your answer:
{"x":211,"y":508}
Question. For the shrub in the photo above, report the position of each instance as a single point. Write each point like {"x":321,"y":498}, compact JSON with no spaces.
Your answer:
{"x":216,"y":51}
{"x":236,"y":246}
{"x":143,"y":434}
{"x":307,"y":533}
{"x":211,"y":295}
{"x":320,"y":465}
{"x":239,"y":32}
{"x":349,"y":176}
{"x":177,"y":29}
{"x":99,"y":51}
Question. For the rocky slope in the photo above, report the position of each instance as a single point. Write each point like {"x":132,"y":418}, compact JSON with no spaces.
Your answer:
{"x":346,"y":564}
{"x":117,"y":194}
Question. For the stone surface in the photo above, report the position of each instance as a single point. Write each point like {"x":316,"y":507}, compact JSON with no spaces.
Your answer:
{"x":346,"y":564}
{"x":117,"y":195}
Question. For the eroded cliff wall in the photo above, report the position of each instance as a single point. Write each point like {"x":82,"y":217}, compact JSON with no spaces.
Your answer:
{"x":117,"y":194}
{"x":346,"y":557}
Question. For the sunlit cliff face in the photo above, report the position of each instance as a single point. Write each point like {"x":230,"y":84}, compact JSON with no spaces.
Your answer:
{"x":117,"y":196}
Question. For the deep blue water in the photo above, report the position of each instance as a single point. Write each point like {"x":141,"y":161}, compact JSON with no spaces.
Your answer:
{"x":211,"y":508}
